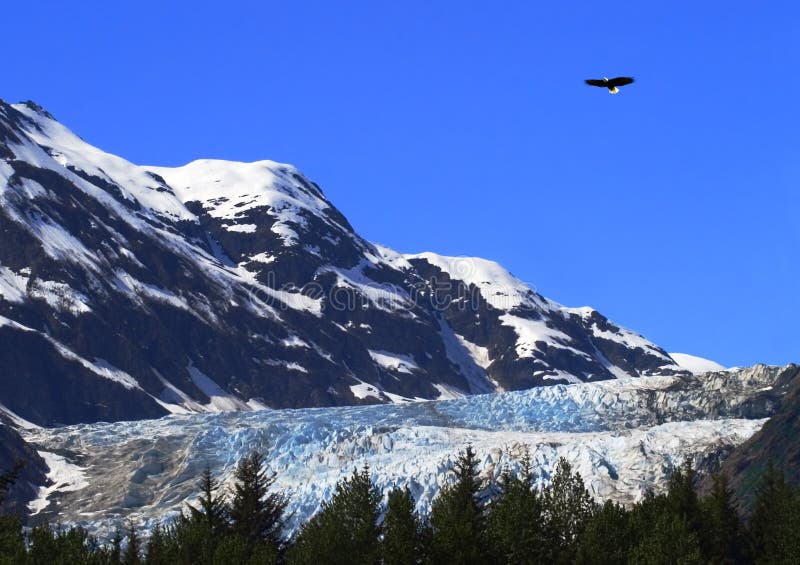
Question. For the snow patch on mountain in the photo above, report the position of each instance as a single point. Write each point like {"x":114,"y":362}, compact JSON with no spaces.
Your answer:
{"x":387,"y":297}
{"x":497,"y":286}
{"x":530,"y":333}
{"x":696,"y":365}
{"x":60,"y":296}
{"x":227,"y":190}
{"x":618,"y":334}
{"x":394,"y":362}
{"x":363,"y":390}
{"x":12,"y":324}
{"x":70,"y":151}
{"x":471,"y":359}
{"x":15,"y":418}
{"x":63,"y":476}
{"x":13,"y":286}
{"x":219,"y":400}
{"x":99,"y":367}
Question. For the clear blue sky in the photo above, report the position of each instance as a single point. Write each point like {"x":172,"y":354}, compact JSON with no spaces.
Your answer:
{"x":465,"y":128}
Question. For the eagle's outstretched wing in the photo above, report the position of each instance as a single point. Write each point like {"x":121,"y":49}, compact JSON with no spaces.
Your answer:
{"x":596,"y":82}
{"x":619,"y":81}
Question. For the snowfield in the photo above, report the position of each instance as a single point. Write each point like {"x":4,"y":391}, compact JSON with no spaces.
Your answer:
{"x":623,"y":436}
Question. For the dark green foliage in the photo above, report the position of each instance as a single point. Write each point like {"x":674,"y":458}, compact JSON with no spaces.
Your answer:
{"x":669,"y":541}
{"x":116,"y":548}
{"x":519,"y":525}
{"x":457,"y":519}
{"x":12,"y":543}
{"x":185,"y":541}
{"x":667,"y":528}
{"x":256,"y":514}
{"x":193,"y":538}
{"x":514,"y":530}
{"x":568,"y":506}
{"x":775,"y":522}
{"x":345,"y":530}
{"x":156,"y":552}
{"x":235,"y":550}
{"x":210,"y":532}
{"x":56,"y":546}
{"x":722,"y":538}
{"x":133,"y":548}
{"x":213,"y":510}
{"x":606,"y":539}
{"x":403,"y":533}
{"x":682,"y":498}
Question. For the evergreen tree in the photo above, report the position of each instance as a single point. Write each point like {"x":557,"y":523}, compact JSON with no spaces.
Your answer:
{"x":42,"y":545}
{"x":514,"y":527}
{"x":457,"y":520}
{"x":115,"y":551}
{"x":55,"y":546}
{"x":186,"y":542}
{"x":345,"y":530}
{"x":568,"y":506}
{"x":232,"y":549}
{"x":213,"y":510}
{"x":607,"y":537}
{"x":722,"y":538}
{"x":194,"y":536}
{"x":157,"y":551}
{"x":682,"y":498}
{"x":402,"y":530}
{"x":256,"y":513}
{"x":12,"y":542}
{"x":775,"y":520}
{"x":133,"y":549}
{"x":660,"y":529}
{"x":668,"y":541}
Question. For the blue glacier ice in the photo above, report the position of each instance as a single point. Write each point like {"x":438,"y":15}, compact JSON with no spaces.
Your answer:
{"x":623,"y":436}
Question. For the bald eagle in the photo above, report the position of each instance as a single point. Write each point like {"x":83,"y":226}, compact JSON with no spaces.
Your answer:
{"x":610,"y":83}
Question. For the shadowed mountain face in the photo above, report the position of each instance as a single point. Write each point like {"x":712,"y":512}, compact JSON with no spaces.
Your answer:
{"x":129,"y":292}
{"x":21,"y":459}
{"x":776,"y":441}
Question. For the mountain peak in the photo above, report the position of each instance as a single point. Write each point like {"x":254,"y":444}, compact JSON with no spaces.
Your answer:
{"x":130,"y":292}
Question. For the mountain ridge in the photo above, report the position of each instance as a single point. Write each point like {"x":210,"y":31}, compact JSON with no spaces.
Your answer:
{"x":130,"y":292}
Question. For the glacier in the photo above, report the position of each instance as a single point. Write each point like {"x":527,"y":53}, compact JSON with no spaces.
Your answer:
{"x":623,"y":436}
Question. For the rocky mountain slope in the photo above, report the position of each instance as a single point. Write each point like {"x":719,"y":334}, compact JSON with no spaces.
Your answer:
{"x":624,"y":437}
{"x":28,"y":478}
{"x":777,"y":441}
{"x":131,"y":292}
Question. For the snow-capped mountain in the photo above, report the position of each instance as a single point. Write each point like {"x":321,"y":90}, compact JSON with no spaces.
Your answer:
{"x":131,"y":292}
{"x":624,"y":437}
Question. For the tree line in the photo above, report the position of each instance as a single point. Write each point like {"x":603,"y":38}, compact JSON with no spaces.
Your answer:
{"x":506,"y":522}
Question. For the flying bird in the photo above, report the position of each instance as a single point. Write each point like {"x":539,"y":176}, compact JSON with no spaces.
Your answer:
{"x":610,"y":83}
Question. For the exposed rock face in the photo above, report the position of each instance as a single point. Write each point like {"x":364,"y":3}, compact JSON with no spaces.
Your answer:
{"x":129,"y":292}
{"x":776,"y":441}
{"x":15,"y":451}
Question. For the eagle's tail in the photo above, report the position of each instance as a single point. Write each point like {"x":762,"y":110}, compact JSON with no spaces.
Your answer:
{"x":613,"y":89}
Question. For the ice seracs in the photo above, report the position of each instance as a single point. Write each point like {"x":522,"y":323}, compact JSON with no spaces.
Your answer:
{"x":624,"y":437}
